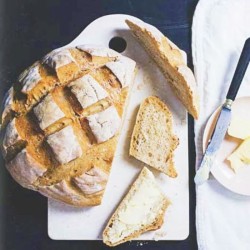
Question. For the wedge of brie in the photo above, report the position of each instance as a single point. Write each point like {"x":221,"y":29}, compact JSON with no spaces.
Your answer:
{"x":239,"y":128}
{"x":241,"y":156}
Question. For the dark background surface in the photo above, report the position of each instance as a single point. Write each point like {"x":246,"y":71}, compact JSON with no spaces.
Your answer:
{"x":28,"y":30}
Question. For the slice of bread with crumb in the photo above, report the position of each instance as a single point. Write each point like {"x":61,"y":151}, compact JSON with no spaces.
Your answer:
{"x":171,"y":61}
{"x":141,"y":210}
{"x":153,"y":141}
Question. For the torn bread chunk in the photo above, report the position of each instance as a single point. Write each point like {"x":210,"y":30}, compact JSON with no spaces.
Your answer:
{"x":47,"y":112}
{"x":30,"y":78}
{"x":25,"y":169}
{"x":64,"y":145}
{"x":92,"y":181}
{"x":153,"y":141}
{"x":123,"y":69}
{"x":169,"y":58}
{"x":142,"y":209}
{"x":104,"y":125}
{"x":87,"y":90}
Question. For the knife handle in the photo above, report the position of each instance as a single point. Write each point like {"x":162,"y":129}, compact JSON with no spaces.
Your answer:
{"x":240,"y":71}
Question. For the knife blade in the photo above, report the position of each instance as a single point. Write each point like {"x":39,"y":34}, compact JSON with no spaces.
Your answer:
{"x":224,"y":118}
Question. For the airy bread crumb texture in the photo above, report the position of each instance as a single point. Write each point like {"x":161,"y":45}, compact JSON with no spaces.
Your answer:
{"x":169,"y":58}
{"x":142,"y":209}
{"x":153,"y":141}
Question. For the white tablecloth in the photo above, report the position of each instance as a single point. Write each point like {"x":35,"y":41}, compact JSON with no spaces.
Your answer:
{"x":219,"y":30}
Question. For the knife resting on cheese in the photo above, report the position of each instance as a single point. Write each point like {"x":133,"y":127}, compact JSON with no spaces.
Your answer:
{"x":224,"y":118}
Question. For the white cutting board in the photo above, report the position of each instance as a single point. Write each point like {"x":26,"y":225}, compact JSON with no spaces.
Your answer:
{"x":69,"y":223}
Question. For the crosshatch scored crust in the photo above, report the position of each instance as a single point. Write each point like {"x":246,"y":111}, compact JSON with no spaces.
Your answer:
{"x":50,"y":147}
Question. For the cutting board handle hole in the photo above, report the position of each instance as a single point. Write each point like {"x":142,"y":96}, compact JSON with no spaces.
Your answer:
{"x":118,"y":44}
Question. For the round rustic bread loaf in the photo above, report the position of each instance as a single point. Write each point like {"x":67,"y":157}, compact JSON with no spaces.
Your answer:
{"x":61,"y":120}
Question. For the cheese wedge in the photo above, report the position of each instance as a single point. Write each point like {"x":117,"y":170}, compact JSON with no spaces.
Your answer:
{"x":241,"y":156}
{"x":239,"y":128}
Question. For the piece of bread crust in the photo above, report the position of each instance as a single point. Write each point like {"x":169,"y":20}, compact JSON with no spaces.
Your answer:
{"x":153,"y":141}
{"x":154,"y":213}
{"x":170,"y":59}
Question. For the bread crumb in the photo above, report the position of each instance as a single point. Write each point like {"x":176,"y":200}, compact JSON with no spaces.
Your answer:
{"x":141,"y":243}
{"x":160,"y":235}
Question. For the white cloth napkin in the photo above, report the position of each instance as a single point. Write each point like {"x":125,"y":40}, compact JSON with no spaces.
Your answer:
{"x":219,"y":30}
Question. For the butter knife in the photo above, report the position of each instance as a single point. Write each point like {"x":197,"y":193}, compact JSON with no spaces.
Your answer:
{"x":224,"y":118}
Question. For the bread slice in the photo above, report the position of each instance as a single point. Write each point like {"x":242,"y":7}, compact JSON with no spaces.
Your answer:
{"x":153,"y":141}
{"x":172,"y":63}
{"x":141,"y":210}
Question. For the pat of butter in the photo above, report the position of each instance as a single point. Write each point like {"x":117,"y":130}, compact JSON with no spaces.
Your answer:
{"x":139,"y":209}
{"x":239,"y":128}
{"x":241,"y":156}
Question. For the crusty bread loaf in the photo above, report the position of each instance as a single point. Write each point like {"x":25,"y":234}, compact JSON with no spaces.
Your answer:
{"x":61,"y":121}
{"x":153,"y":141}
{"x":172,"y":63}
{"x":142,"y":209}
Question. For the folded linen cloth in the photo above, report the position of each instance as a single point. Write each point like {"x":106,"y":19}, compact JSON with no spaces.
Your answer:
{"x":219,"y":30}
